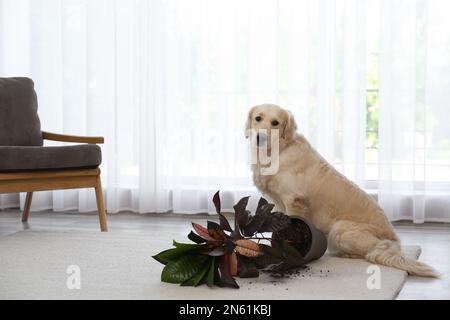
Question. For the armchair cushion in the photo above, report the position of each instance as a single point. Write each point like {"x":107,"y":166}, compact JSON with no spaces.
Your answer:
{"x":19,"y":121}
{"x":18,"y":159}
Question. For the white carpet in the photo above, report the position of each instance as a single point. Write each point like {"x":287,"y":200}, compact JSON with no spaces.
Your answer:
{"x":33,"y":265}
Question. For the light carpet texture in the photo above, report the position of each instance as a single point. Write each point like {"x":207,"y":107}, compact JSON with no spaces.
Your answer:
{"x":33,"y":265}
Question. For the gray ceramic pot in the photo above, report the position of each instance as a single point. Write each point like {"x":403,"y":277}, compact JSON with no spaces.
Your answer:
{"x":318,"y":240}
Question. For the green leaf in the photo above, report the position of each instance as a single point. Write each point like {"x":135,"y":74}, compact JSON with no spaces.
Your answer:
{"x":196,"y":280}
{"x":166,"y":256}
{"x":186,"y":246}
{"x":211,"y":272}
{"x":180,"y":249}
{"x":183,"y":268}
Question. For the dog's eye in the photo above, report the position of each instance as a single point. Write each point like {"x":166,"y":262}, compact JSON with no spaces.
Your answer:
{"x":275,"y":123}
{"x":258,"y":118}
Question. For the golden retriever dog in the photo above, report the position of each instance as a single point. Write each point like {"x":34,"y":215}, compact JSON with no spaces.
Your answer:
{"x":307,"y":185}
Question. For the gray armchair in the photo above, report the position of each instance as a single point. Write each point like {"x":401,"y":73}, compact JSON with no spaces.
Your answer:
{"x":26,"y":165}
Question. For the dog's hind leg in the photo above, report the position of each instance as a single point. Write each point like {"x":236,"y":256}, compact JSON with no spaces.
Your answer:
{"x":354,"y":239}
{"x":351,"y":239}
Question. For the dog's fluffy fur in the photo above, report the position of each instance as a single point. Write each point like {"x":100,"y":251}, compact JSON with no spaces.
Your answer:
{"x":307,"y":185}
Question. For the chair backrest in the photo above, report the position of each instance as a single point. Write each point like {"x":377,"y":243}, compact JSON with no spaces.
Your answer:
{"x":19,"y":121}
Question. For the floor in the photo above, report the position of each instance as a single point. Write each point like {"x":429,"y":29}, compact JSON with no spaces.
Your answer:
{"x":434,"y":238}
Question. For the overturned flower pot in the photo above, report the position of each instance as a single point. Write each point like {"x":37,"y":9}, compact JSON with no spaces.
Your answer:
{"x":303,"y":235}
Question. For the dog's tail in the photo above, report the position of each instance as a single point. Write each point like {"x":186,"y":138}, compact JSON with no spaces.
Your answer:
{"x":388,"y":253}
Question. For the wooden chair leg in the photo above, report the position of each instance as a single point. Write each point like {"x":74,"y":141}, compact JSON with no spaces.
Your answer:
{"x":26,"y":209}
{"x":101,"y":206}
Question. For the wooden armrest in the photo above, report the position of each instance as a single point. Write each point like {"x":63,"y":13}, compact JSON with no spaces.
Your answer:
{"x":67,"y":138}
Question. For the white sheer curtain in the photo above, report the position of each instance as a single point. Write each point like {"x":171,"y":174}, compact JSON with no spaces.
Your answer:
{"x":169,"y":83}
{"x":414,"y":146}
{"x":97,"y":69}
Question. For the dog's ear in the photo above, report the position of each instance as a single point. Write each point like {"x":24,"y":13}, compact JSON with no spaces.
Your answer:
{"x":248,"y":125}
{"x":289,"y":126}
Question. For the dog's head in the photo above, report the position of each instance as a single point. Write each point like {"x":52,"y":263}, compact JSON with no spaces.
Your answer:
{"x":265,"y":118}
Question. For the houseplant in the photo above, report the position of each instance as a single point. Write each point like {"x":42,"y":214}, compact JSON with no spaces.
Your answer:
{"x":219,"y":252}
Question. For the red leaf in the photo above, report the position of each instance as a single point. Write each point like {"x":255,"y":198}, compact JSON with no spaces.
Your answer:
{"x":202,"y":232}
{"x":241,"y":217}
{"x":261,"y":203}
{"x":224,"y":223}
{"x":226,"y":279}
{"x":216,"y":201}
{"x":247,"y":248}
{"x":233,"y":265}
{"x":215,"y":231}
